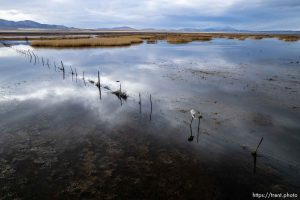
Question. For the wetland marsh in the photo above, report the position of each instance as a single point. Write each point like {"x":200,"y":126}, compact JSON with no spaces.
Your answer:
{"x":62,"y":137}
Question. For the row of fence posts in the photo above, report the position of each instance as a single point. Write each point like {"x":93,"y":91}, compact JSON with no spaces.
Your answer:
{"x":33,"y":56}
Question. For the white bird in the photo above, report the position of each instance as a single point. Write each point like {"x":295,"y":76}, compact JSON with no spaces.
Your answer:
{"x":196,"y":114}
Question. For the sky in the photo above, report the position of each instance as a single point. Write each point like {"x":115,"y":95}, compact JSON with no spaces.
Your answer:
{"x":167,"y":14}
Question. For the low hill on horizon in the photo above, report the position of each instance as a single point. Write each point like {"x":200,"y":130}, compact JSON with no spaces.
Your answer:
{"x":27,"y":24}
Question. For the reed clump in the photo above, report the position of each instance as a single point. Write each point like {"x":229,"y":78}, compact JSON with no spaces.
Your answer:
{"x":178,"y":40}
{"x":289,"y":38}
{"x":151,"y":41}
{"x":144,"y":37}
{"x":88,"y":42}
{"x":257,"y":37}
{"x":242,"y":37}
{"x":185,"y":38}
{"x":202,"y":38}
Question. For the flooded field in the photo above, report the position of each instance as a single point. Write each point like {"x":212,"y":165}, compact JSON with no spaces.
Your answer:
{"x":65,"y":136}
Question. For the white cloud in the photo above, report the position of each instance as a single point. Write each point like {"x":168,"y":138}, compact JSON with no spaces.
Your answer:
{"x":16,"y":15}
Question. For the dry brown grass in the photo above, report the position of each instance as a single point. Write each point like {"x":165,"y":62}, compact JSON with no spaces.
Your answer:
{"x":289,"y":38}
{"x":242,"y":38}
{"x":202,"y":38}
{"x":256,"y":37}
{"x":91,"y":42}
{"x":143,"y":37}
{"x":186,"y":38}
{"x":151,"y":41}
{"x":127,"y":38}
{"x":178,"y":40}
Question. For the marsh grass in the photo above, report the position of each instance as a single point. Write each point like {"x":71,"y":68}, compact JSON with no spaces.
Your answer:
{"x":289,"y":38}
{"x":151,"y":41}
{"x":256,"y":37}
{"x":127,"y":39}
{"x":178,"y":40}
{"x":186,"y":38}
{"x":90,"y":42}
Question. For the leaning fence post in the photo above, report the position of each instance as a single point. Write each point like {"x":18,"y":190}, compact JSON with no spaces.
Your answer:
{"x":150,"y":107}
{"x":48,"y":63}
{"x":83,"y":78}
{"x":140,"y":102}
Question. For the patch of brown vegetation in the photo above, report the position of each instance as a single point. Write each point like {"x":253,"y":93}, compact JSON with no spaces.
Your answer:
{"x":289,"y":38}
{"x":152,"y":41}
{"x":178,"y":40}
{"x":90,"y":42}
{"x":186,"y":38}
{"x":256,"y":37}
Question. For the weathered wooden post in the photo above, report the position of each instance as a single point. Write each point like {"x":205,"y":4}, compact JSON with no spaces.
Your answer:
{"x":63,"y":69}
{"x":54,"y":64}
{"x":30,"y":55}
{"x":254,"y":153}
{"x":72,"y":72}
{"x":76,"y":75}
{"x":34,"y":57}
{"x":140,"y":102}
{"x":150,"y":107}
{"x":99,"y":84}
{"x":83,"y":78}
{"x":48,"y":63}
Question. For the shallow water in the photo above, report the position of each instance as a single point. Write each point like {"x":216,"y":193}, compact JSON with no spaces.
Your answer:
{"x":60,"y":139}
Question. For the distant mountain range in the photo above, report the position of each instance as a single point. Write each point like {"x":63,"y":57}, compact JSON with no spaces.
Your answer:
{"x":212,"y":29}
{"x":27,"y":24}
{"x":217,"y":29}
{"x":122,"y":28}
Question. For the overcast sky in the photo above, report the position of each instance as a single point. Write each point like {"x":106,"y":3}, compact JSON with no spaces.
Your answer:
{"x":240,"y":14}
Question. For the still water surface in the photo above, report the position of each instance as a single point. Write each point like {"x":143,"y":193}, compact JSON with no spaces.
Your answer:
{"x":60,"y":139}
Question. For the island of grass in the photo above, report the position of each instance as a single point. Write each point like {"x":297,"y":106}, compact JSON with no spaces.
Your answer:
{"x":87,"y":42}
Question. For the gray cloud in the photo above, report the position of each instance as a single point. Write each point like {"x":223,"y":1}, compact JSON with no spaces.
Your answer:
{"x":244,"y":14}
